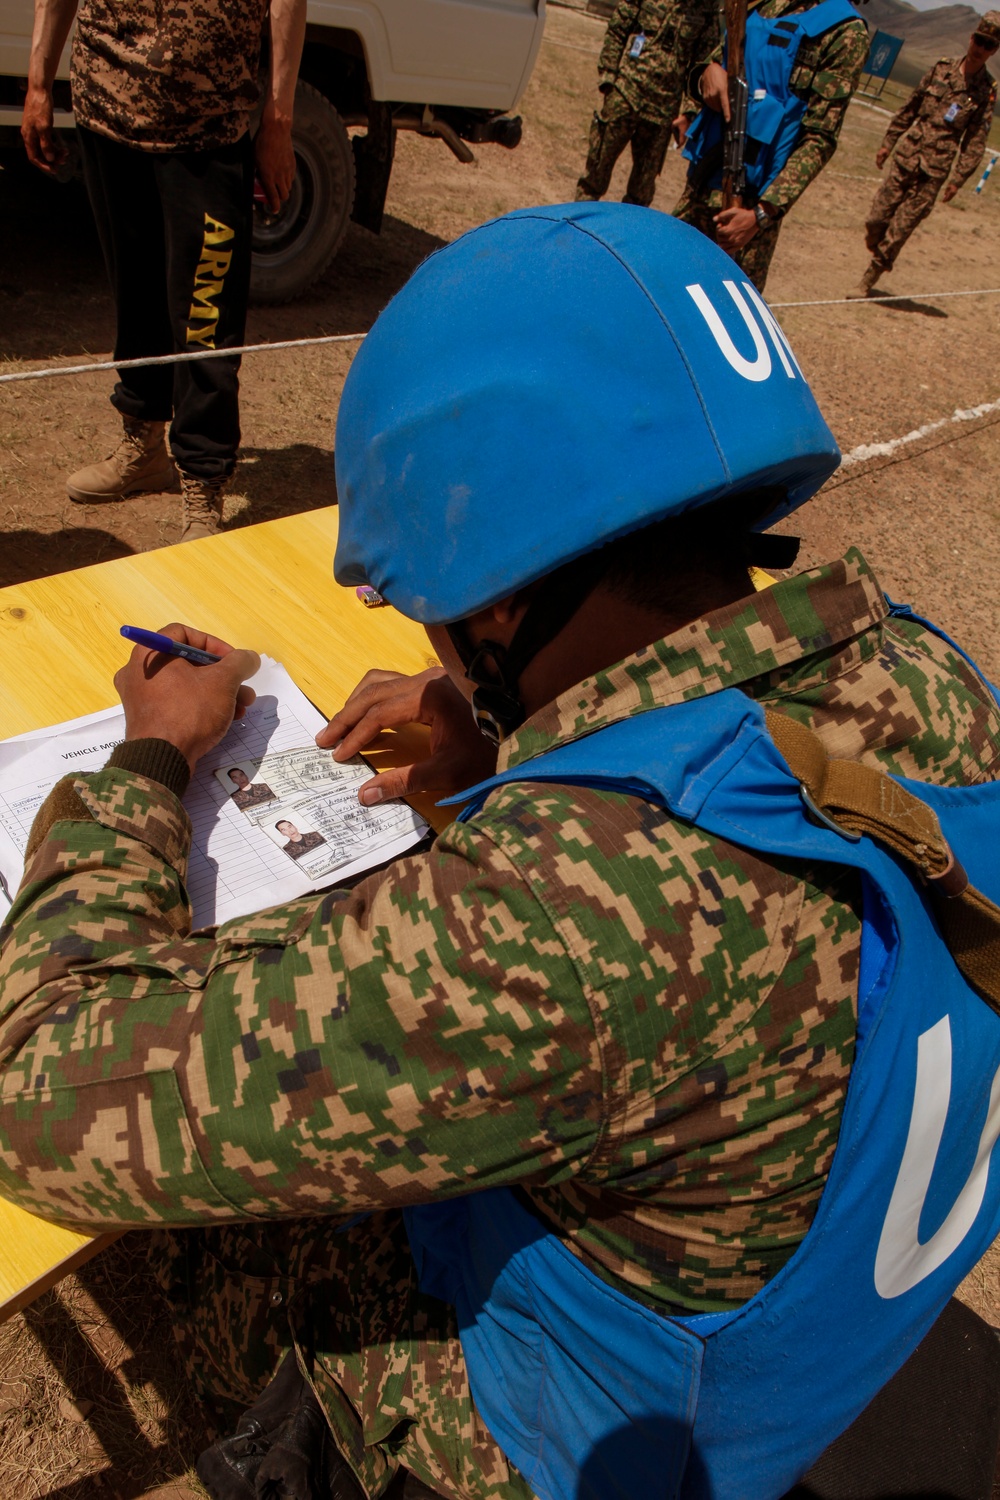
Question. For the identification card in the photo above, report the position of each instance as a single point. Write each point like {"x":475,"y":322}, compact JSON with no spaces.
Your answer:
{"x":638,"y":42}
{"x":951,"y":113}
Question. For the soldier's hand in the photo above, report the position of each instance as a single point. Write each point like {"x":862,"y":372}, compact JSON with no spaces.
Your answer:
{"x":679,"y":126}
{"x":734,"y":228}
{"x":45,"y":148}
{"x":714,"y":89}
{"x":275,"y":159}
{"x":881,"y":157}
{"x":458,"y":754}
{"x":950,"y":192}
{"x":166,"y":698}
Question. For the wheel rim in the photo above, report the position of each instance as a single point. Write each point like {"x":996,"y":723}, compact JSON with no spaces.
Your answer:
{"x":281,"y":237}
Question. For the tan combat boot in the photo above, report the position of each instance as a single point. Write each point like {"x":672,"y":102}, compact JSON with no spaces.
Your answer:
{"x":139,"y":465}
{"x":202,"y":506}
{"x":867,"y":281}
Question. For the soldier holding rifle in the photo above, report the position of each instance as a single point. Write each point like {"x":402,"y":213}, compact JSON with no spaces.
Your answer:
{"x":772,"y":128}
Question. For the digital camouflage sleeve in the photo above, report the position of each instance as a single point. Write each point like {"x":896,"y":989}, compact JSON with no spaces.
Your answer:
{"x":649,"y":1029}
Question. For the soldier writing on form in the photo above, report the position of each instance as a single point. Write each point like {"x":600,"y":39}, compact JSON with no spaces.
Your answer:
{"x":503,"y":1166}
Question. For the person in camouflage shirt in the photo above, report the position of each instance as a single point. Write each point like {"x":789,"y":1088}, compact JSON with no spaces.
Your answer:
{"x":163,"y":96}
{"x":642,"y":73}
{"x":646,"y":1029}
{"x":941,"y":128}
{"x":826,"y":73}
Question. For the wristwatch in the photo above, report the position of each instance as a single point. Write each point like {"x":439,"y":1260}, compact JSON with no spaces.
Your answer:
{"x":762,"y":216}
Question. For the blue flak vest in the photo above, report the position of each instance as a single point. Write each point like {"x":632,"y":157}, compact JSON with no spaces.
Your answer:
{"x":774,"y":113}
{"x":595,"y":1397}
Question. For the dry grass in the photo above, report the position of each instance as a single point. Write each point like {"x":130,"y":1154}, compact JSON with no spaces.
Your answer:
{"x":91,"y":1399}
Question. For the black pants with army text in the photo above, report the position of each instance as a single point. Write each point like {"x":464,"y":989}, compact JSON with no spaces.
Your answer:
{"x":175,"y":228}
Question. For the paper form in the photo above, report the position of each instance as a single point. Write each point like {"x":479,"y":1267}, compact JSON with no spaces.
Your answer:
{"x":267,"y":772}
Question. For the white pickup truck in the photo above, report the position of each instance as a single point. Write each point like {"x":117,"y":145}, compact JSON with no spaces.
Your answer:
{"x":447,"y":68}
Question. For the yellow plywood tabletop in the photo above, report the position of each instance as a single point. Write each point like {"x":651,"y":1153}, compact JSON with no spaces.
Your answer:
{"x":267,"y":587}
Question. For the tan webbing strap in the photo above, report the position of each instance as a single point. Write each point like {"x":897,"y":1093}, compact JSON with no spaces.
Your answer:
{"x":858,"y":799}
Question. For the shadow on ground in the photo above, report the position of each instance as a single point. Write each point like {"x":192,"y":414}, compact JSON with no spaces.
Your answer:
{"x":36,"y":554}
{"x":108,"y":1413}
{"x":281,"y":482}
{"x":908,"y":305}
{"x":56,"y":299}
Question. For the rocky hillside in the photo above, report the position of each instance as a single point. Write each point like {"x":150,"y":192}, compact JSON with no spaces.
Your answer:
{"x":927,"y":34}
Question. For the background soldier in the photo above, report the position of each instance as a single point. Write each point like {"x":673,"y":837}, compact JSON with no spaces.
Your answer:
{"x":949,"y":111}
{"x":163,"y":104}
{"x":643,"y":68}
{"x":824,"y":74}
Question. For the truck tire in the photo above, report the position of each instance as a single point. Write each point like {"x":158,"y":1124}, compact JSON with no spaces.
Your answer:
{"x":292,"y":248}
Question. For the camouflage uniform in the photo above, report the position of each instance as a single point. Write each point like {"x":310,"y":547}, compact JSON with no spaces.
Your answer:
{"x":926,"y":143}
{"x":176,"y":78}
{"x":826,"y":72}
{"x":646,"y":1028}
{"x":644,"y":94}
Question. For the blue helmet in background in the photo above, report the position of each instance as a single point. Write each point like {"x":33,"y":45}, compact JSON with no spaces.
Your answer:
{"x":549,"y":382}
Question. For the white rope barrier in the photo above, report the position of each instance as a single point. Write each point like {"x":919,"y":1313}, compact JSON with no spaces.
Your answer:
{"x":348,"y":338}
{"x":572,"y":46}
{"x":988,"y":291}
{"x":176,"y":359}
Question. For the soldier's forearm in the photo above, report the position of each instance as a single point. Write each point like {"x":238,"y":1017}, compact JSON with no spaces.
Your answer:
{"x":970,"y":158}
{"x":348,"y":1050}
{"x":288,"y":30}
{"x":53,"y":20}
{"x":107,"y":858}
{"x":805,"y":163}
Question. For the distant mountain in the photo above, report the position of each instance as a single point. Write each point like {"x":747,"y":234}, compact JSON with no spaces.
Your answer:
{"x":927,"y":34}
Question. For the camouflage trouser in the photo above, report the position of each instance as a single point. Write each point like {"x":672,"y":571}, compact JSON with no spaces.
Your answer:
{"x":905,"y":198}
{"x":384,"y":1360}
{"x":613,"y":127}
{"x":754,"y":259}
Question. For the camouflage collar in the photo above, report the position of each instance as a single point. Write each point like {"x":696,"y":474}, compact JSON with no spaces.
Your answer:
{"x":796,"y":636}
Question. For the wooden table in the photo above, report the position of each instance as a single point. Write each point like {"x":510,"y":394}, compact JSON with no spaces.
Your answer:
{"x":267,"y":587}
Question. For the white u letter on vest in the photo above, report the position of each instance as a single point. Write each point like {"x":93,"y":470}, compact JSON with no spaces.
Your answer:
{"x":902,"y":1262}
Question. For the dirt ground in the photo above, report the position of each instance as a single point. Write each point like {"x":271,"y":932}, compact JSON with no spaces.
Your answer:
{"x":926,"y":516}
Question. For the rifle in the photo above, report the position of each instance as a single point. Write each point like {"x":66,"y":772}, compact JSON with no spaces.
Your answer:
{"x":735,"y":141}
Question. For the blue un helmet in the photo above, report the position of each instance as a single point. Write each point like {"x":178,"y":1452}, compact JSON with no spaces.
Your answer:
{"x":549,"y":382}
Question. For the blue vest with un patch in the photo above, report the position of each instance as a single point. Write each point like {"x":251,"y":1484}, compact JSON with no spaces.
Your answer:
{"x":595,"y":1397}
{"x":774,"y":113}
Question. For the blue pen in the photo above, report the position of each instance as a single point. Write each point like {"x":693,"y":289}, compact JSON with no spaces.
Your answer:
{"x":157,"y":642}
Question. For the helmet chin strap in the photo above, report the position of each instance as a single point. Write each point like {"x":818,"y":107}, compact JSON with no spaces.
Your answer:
{"x":496,"y":669}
